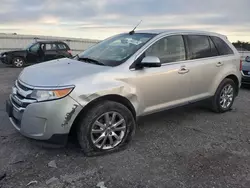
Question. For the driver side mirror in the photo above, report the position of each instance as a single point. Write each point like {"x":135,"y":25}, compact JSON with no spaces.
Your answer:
{"x":247,"y":59}
{"x":151,"y":61}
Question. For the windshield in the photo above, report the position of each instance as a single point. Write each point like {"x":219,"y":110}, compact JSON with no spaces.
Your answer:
{"x":29,"y":46}
{"x":116,"y":50}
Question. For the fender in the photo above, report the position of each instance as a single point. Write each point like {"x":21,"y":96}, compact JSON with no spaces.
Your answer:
{"x":102,"y":86}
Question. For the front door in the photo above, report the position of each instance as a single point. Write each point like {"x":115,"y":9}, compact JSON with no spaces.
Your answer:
{"x":32,"y":53}
{"x":166,"y":86}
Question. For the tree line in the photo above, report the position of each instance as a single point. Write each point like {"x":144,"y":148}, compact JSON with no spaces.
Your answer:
{"x":242,"y":45}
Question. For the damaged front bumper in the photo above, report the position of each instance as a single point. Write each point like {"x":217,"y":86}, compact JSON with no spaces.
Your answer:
{"x":46,"y":121}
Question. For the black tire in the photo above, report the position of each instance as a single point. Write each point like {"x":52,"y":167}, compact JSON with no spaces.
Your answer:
{"x":216,"y":106}
{"x":18,"y":62}
{"x":85,"y":126}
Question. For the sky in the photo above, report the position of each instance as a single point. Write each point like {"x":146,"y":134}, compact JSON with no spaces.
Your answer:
{"x":99,"y":19}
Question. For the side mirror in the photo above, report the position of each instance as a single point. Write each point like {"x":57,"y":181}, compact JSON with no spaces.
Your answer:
{"x":247,"y":59}
{"x":151,"y":61}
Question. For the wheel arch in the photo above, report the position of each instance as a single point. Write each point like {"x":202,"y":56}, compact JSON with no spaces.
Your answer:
{"x":113,"y":97}
{"x":231,"y":75}
{"x":236,"y":81}
{"x":18,"y":56}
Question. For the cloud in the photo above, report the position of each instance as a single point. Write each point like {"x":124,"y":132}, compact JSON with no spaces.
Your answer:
{"x":101,"y":18}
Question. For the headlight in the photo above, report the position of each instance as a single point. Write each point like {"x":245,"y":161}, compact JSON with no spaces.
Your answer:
{"x":44,"y":95}
{"x":4,"y":55}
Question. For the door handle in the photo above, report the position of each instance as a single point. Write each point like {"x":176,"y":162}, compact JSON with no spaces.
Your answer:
{"x":219,"y":64}
{"x":183,"y":70}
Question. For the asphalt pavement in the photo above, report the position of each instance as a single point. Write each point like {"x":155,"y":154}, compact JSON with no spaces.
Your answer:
{"x":180,"y":148}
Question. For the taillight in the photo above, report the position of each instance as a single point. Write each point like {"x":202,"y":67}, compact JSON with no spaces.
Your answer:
{"x":240,"y":65}
{"x":69,"y":51}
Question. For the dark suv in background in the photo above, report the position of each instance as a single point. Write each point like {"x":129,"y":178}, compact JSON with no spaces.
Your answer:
{"x":36,"y":53}
{"x":246,"y":71}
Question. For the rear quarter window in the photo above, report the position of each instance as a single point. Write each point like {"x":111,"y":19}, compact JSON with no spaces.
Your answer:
{"x":62,"y":46}
{"x":221,"y":46}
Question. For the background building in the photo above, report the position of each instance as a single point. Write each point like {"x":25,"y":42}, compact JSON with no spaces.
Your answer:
{"x":15,"y":42}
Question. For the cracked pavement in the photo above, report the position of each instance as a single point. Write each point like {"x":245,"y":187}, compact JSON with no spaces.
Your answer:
{"x":185,"y":147}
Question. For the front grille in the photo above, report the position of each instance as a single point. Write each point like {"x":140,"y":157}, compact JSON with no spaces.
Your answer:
{"x":19,"y":96}
{"x":245,"y":79}
{"x":18,"y":102}
{"x":245,"y":72}
{"x":21,"y":86}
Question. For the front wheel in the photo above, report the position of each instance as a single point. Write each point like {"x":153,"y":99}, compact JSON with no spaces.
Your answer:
{"x":224,"y":97}
{"x":18,"y":62}
{"x":108,"y":126}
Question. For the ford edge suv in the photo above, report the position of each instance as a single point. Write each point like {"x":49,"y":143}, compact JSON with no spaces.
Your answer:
{"x":100,"y":93}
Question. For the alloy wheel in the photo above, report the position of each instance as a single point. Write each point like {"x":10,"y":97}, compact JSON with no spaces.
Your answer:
{"x":108,"y":130}
{"x":18,"y":62}
{"x":226,"y":96}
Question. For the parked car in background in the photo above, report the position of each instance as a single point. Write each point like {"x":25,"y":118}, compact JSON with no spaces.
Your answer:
{"x":243,"y":53}
{"x":36,"y":53}
{"x":100,"y":93}
{"x":246,"y":71}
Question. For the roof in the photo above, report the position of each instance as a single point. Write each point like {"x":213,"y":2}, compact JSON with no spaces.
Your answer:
{"x":170,"y":31}
{"x":50,"y":41}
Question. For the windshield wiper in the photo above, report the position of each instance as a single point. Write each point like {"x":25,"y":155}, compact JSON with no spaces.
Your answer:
{"x":90,"y":60}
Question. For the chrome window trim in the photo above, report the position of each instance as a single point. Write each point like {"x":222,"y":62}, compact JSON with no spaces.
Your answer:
{"x":163,"y":35}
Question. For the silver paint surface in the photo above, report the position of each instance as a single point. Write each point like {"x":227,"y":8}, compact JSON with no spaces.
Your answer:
{"x":149,"y":90}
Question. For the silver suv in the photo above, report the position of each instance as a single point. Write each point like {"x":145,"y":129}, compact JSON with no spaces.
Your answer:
{"x":100,"y":93}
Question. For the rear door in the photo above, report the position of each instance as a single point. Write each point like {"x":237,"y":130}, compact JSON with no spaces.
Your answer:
{"x":51,"y":51}
{"x":204,"y":64}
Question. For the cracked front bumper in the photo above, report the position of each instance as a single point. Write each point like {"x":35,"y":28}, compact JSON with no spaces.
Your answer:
{"x":44,"y":120}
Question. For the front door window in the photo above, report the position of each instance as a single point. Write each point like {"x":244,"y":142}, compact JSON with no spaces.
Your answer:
{"x":168,"y":49}
{"x":34,"y":48}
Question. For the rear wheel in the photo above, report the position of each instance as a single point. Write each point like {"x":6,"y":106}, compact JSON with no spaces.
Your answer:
{"x":106,"y":127}
{"x":18,"y":62}
{"x":224,"y":96}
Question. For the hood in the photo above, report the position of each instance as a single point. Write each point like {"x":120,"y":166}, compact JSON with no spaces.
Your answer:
{"x":246,"y":66}
{"x":14,"y":51}
{"x":58,"y":72}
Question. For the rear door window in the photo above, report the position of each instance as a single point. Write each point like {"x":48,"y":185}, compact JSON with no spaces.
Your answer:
{"x":214,"y":50}
{"x":51,"y":46}
{"x":222,"y":46}
{"x":199,"y":47}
